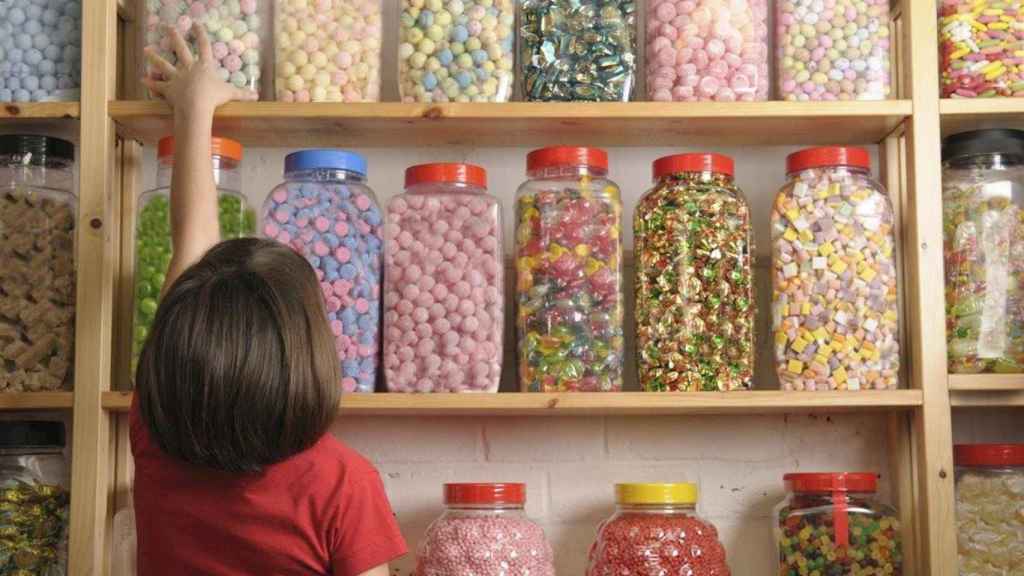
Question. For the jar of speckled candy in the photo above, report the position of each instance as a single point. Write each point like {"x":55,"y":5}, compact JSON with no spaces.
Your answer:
{"x":990,"y":508}
{"x":834,"y":304}
{"x":325,"y":211}
{"x":569,"y":273}
{"x":40,"y":50}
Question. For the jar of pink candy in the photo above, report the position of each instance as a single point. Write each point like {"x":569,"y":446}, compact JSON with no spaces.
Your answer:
{"x":443,"y":281}
{"x":707,"y":50}
{"x":484,"y":532}
{"x":326,"y":212}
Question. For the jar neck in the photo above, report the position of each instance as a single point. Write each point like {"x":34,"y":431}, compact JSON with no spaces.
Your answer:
{"x":841,"y":169}
{"x":226,"y":173}
{"x":484,"y":507}
{"x":657,"y":508}
{"x":985,"y":162}
{"x":54,"y":174}
{"x":807,"y":499}
{"x":325,"y":175}
{"x":428,"y":188}
{"x":703,"y":177}
{"x":553,"y":172}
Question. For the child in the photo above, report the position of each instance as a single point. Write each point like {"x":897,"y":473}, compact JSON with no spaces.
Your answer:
{"x":235,"y":472}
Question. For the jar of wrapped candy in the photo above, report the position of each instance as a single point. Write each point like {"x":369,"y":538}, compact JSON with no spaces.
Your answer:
{"x":983,"y":234}
{"x":707,"y":50}
{"x":38,"y":214}
{"x":990,"y":508}
{"x":153,"y":242}
{"x":834,"y":306}
{"x":656,"y":530}
{"x":456,"y":50}
{"x":327,"y":50}
{"x":40,"y":50}
{"x":694,"y":280}
{"x":443,"y":283}
{"x":34,"y":494}
{"x":484,"y":530}
{"x":836,"y":50}
{"x":569,"y":273}
{"x":325,"y":211}
{"x":979,"y":48}
{"x":833,"y":523}
{"x":577,"y":50}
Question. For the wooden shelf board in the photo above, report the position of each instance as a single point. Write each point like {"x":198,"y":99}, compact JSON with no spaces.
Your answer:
{"x":520,"y":123}
{"x":11,"y":401}
{"x":986,"y":382}
{"x":961,"y":114}
{"x":987,"y":399}
{"x":10,"y":111}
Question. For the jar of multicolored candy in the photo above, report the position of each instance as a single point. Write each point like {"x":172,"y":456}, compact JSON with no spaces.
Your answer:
{"x":980,"y":48}
{"x":153,"y":243}
{"x":578,"y":50}
{"x":444,"y":314}
{"x":325,"y":211}
{"x":694,"y":279}
{"x":656,"y":530}
{"x":40,"y":50}
{"x":833,"y":523}
{"x":990,"y":508}
{"x":983,"y":234}
{"x":327,"y":50}
{"x":484,"y":531}
{"x":834,"y":306}
{"x":569,"y":273}
{"x":456,"y":50}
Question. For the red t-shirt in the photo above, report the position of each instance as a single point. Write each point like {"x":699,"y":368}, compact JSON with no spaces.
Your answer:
{"x":322,"y":511}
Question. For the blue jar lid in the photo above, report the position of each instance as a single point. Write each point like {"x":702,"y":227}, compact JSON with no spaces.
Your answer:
{"x":325,"y":159}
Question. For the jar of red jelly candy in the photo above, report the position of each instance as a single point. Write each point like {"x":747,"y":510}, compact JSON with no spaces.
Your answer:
{"x":484,"y":532}
{"x":569,"y":273}
{"x":833,"y":523}
{"x":656,"y":530}
{"x":443,"y":281}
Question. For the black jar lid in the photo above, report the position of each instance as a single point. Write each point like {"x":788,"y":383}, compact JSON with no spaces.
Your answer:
{"x":43,"y":149}
{"x":31,"y":434}
{"x":982,"y":142}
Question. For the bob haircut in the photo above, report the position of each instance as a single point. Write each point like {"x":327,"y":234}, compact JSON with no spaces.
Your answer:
{"x":239,"y":370}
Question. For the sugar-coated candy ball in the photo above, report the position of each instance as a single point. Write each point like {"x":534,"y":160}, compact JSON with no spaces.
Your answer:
{"x":38,"y":42}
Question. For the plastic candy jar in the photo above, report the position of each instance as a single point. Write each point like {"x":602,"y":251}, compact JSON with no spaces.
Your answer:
{"x":694,"y":284}
{"x":484,"y":532}
{"x":990,"y":508}
{"x":38,"y":213}
{"x":983,"y":234}
{"x":327,"y":50}
{"x":40,"y":50}
{"x":456,"y":50}
{"x":834,"y":306}
{"x":569,"y":273}
{"x":326,"y":212}
{"x":832,"y":523}
{"x":153,"y":243}
{"x":832,"y":50}
{"x":979,"y":45}
{"x":656,"y":530}
{"x":707,"y":50}
{"x":578,"y":50}
{"x":443,"y":283}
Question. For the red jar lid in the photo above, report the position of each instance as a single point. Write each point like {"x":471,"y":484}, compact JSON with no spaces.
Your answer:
{"x":988,"y":455}
{"x":825,"y":482}
{"x":699,"y":162}
{"x":566,"y":156}
{"x":446,"y":172}
{"x":828,"y":156}
{"x":225,"y":147}
{"x":485,"y":493}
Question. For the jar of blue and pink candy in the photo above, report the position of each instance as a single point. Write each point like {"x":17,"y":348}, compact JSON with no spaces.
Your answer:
{"x":325,"y":211}
{"x":40,"y":50}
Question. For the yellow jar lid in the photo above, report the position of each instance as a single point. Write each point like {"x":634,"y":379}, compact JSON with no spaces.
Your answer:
{"x":677,"y":493}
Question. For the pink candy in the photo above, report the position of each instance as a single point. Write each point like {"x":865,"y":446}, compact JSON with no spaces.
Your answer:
{"x":495,"y":545}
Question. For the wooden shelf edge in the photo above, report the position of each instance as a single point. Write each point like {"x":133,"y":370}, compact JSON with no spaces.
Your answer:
{"x":39,"y":110}
{"x":12,"y":401}
{"x":986,"y":382}
{"x":980,"y":106}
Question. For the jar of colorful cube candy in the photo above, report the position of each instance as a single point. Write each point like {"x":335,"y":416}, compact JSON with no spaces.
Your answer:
{"x":40,"y":50}
{"x":980,"y":48}
{"x":327,"y":50}
{"x":38,"y":214}
{"x":833,"y":523}
{"x":983,"y":233}
{"x":325,"y":211}
{"x":569,"y":273}
{"x":832,"y":49}
{"x":153,"y":243}
{"x":456,"y":50}
{"x":707,"y":50}
{"x":443,"y":283}
{"x":694,"y":280}
{"x":990,"y":508}
{"x":834,"y":304}
{"x":656,"y":530}
{"x":484,"y":531}
{"x":578,"y":50}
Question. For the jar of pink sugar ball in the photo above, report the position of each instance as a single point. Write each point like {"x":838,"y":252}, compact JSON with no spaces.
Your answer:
{"x":707,"y":50}
{"x":484,"y":532}
{"x":443,"y":280}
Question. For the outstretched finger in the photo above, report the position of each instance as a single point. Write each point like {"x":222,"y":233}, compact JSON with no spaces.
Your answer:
{"x":156,"y":87}
{"x":203,"y":41}
{"x":160,"y":64}
{"x":181,"y":49}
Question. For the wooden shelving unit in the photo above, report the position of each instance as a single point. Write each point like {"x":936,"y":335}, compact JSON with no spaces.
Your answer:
{"x":23,"y":111}
{"x":20,"y":401}
{"x":959,"y":115}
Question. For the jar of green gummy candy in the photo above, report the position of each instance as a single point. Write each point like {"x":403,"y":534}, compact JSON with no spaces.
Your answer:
{"x":153,"y":227}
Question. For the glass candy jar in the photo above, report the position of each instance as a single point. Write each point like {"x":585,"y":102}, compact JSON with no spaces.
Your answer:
{"x":979,"y":48}
{"x":40,"y":50}
{"x":990,"y":508}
